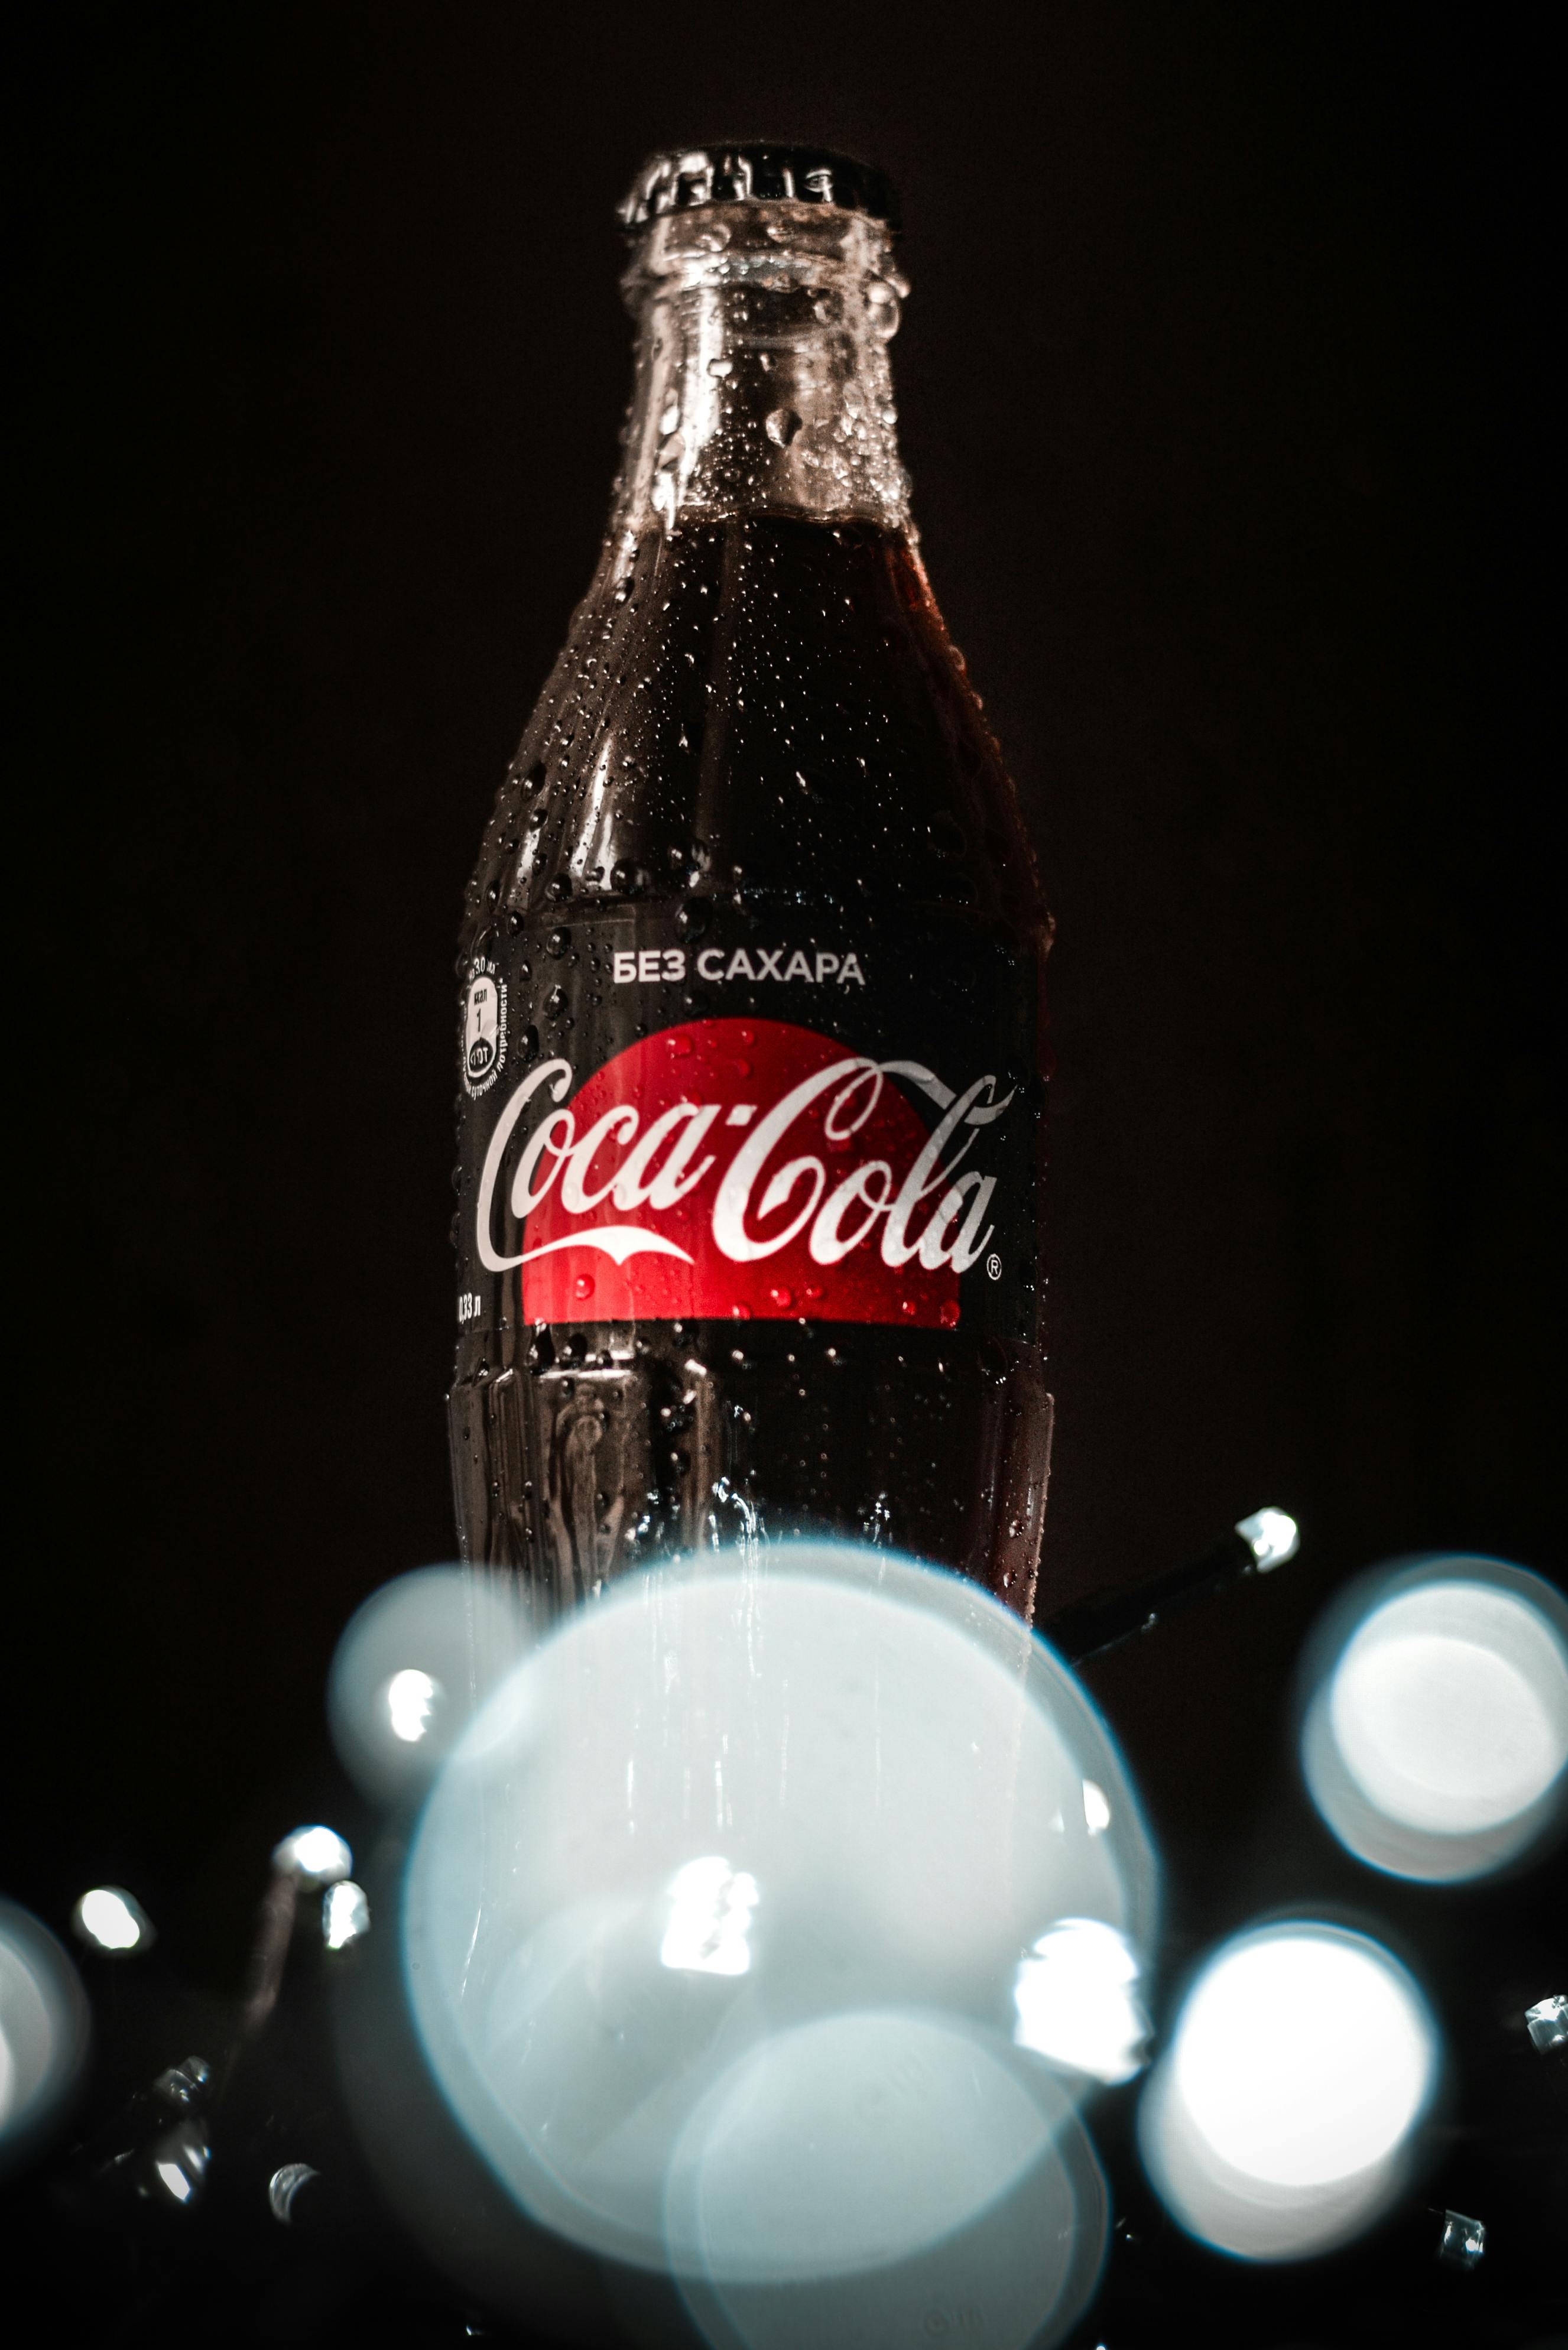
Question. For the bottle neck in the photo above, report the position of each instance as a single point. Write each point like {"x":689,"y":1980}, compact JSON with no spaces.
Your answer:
{"x":763,"y":382}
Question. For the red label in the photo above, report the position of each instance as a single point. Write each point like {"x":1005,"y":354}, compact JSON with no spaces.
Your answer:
{"x":733,"y":1168}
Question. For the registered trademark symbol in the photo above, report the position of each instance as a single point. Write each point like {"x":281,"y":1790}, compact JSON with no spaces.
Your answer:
{"x":994,"y":1266}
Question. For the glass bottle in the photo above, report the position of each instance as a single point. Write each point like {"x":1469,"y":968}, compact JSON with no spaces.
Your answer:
{"x":751,"y":1013}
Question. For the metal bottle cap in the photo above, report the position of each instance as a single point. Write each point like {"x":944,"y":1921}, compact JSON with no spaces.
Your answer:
{"x":757,"y":171}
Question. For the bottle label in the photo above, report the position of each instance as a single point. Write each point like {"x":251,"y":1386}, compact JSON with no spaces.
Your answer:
{"x":483,"y":1027}
{"x":849,"y":1162}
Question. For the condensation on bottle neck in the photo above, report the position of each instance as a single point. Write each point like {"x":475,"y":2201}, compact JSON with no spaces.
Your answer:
{"x":763,"y":382}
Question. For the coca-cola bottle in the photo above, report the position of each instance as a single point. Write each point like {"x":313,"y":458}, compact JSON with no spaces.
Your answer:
{"x":749,"y":1008}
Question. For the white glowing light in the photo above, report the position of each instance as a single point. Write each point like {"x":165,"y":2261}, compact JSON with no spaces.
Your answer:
{"x":875,"y":2163}
{"x":410,"y":1703}
{"x":413,"y":1665}
{"x":1436,"y":1741}
{"x":43,"y":2028}
{"x":345,"y":1915}
{"x":316,"y":1855}
{"x":1302,"y":2058}
{"x":710,"y":1907}
{"x":180,"y":2163}
{"x":1273,"y":1535}
{"x":1076,"y":2001}
{"x":738,"y":1796}
{"x":1302,"y":2063}
{"x":111,"y":1919}
{"x":1451,"y":1708}
{"x":1096,"y":1808}
{"x":916,"y":2130}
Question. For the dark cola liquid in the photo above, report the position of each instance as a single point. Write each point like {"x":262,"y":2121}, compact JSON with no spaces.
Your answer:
{"x":757,"y":829}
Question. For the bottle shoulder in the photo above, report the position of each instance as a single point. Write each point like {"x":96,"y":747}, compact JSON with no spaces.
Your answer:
{"x":769,"y":708}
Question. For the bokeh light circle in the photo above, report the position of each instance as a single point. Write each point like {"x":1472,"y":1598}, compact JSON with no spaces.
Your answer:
{"x":44,"y":2032}
{"x":1281,"y":2120}
{"x":112,"y":1922}
{"x":1435,"y":1730}
{"x":995,"y":2223}
{"x":414,"y":1665}
{"x":735,"y":1801}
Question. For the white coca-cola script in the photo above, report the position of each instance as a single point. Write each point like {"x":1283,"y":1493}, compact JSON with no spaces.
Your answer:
{"x":722,"y":1145}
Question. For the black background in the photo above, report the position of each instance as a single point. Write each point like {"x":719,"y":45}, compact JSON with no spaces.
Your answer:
{"x":1222,"y":387}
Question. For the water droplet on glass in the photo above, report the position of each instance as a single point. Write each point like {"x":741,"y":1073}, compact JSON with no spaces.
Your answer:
{"x":670,"y":417}
{"x":882,"y":308}
{"x":679,"y":1046}
{"x":949,"y":1314}
{"x":720,"y":367}
{"x":584,"y":1286}
{"x":785,"y":1297}
{"x":740,"y":1313}
{"x":781,"y":426}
